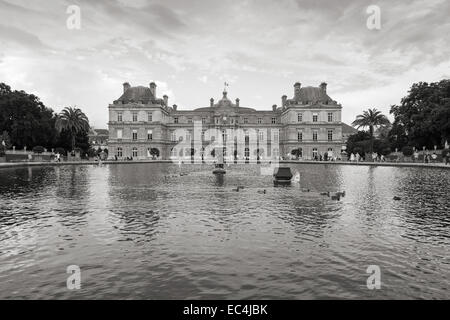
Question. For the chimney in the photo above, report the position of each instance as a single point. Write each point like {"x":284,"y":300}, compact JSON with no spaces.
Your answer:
{"x":274,"y":108}
{"x":283,"y":101}
{"x":323,"y":86}
{"x":153,"y":89}
{"x":237,"y":102}
{"x":166,"y":100}
{"x":211,"y":102}
{"x":174,"y":107}
{"x":297,"y":87}
{"x":126,"y":86}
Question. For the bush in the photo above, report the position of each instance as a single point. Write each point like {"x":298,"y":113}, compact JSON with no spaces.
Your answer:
{"x":92,"y":153}
{"x":386,"y":151}
{"x":38,"y":149}
{"x":61,"y":151}
{"x":445,"y":152}
{"x":358,"y":150}
{"x":407,"y":151}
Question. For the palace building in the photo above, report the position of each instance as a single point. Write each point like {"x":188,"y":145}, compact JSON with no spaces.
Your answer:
{"x":143,"y":126}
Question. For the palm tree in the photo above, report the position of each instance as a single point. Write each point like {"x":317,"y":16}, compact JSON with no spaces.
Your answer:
{"x":371,"y":118}
{"x":73,"y":120}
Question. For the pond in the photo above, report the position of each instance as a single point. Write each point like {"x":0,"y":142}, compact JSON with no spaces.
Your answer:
{"x":143,"y":231}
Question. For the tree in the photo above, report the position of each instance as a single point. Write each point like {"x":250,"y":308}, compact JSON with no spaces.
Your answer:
{"x":423,"y":116}
{"x":372,"y":119}
{"x":26,"y":119}
{"x":74,"y":122}
{"x":361,"y":143}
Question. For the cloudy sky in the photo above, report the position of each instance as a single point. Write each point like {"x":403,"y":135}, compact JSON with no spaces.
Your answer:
{"x":191,"y":47}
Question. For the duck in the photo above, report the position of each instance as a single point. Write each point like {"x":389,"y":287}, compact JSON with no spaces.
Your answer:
{"x":336,"y":197}
{"x":342,"y":194}
{"x":262,"y":191}
{"x":397,"y":198}
{"x":305,"y":190}
{"x":325,"y":193}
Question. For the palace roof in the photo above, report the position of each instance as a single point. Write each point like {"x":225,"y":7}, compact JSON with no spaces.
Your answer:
{"x":137,"y":94}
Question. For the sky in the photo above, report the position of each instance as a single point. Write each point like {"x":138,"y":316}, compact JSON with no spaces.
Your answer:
{"x":191,"y":47}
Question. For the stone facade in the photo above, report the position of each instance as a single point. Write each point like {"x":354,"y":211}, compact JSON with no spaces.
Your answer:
{"x":141,"y":126}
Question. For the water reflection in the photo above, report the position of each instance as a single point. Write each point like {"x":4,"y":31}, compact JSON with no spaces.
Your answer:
{"x":164,"y":231}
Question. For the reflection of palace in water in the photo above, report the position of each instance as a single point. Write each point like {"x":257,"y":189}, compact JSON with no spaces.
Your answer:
{"x":143,"y":126}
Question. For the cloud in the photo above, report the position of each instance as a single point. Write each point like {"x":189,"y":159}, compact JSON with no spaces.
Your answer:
{"x":191,"y":47}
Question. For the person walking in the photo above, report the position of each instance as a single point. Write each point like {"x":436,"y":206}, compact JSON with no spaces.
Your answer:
{"x":352,"y":157}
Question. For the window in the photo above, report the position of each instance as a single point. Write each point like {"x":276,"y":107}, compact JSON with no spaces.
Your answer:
{"x":247,"y":152}
{"x":275,"y":153}
{"x":149,"y":135}
{"x":150,"y":117}
{"x":224,"y":136}
{"x":188,"y":136}
{"x":203,"y":120}
{"x":119,"y":117}
{"x":274,"y":120}
{"x":247,"y":136}
{"x":203,"y":135}
{"x":174,"y":136}
{"x":189,"y":120}
{"x":245,"y":120}
{"x":315,"y":117}
{"x":300,"y":136}
{"x":175,"y":120}
{"x":275,"y":136}
{"x":173,"y":153}
{"x":259,"y":120}
{"x":119,"y":152}
{"x":261,"y":135}
{"x":135,"y":152}
{"x":330,"y":117}
{"x":299,"y":117}
{"x":330,"y":135}
{"x":119,"y":133}
{"x":135,"y":117}
{"x":314,"y":135}
{"x":134,"y":135}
